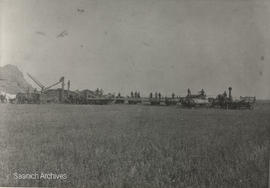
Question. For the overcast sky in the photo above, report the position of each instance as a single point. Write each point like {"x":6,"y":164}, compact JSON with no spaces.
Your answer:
{"x":145,"y":45}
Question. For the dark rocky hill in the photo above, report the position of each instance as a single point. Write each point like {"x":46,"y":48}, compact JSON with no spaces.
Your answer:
{"x":12,"y":80}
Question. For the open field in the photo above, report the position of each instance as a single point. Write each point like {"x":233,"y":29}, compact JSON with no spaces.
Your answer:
{"x":135,"y":146}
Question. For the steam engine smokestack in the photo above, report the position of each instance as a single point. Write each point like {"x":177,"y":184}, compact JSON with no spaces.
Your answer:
{"x":62,"y":89}
{"x":68,"y":88}
{"x":230,"y":93}
{"x":68,"y":85}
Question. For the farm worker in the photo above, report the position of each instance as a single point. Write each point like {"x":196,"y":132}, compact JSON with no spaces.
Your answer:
{"x":225,"y":94}
{"x":202,"y":92}
{"x":151,"y":95}
{"x":173,"y":95}
{"x":189,"y":92}
{"x":97,"y":92}
{"x":159,"y":95}
{"x":132,"y":95}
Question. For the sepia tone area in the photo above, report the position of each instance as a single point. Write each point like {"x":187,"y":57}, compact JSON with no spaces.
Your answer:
{"x":135,"y":93}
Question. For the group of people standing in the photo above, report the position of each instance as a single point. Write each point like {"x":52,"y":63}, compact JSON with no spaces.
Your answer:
{"x":201,"y":92}
{"x":135,"y":94}
{"x":157,"y":95}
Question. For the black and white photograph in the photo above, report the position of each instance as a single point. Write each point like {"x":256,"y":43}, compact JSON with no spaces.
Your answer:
{"x":135,"y":93}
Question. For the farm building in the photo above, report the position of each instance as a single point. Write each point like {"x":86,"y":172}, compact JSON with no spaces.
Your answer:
{"x":51,"y":96}
{"x":22,"y":98}
{"x":61,"y":96}
{"x":88,"y":94}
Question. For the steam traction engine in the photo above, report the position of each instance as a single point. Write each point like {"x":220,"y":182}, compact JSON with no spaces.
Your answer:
{"x":227,"y":102}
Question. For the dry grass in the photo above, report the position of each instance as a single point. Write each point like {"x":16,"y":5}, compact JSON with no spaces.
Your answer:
{"x":135,"y":146}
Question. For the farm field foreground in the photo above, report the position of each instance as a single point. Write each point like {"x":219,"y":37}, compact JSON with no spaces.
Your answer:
{"x":134,"y":146}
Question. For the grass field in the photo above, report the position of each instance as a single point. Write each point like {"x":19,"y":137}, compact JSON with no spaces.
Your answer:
{"x":135,"y":146}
